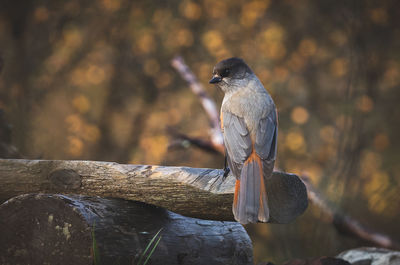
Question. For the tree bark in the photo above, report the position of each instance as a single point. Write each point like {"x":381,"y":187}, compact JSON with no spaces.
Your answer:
{"x":58,"y":229}
{"x":192,"y":192}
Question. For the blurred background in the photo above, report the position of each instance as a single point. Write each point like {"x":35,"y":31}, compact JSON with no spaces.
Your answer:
{"x":93,"y":80}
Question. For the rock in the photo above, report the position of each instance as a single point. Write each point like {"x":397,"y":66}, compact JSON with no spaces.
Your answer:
{"x":371,"y":256}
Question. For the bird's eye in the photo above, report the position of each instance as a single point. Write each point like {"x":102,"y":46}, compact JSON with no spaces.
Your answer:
{"x":225,"y":72}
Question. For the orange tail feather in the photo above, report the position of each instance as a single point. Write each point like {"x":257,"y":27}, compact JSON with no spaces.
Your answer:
{"x":250,"y":200}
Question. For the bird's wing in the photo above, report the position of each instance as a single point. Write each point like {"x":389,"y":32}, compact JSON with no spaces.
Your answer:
{"x":239,"y":145}
{"x":266,"y":141}
{"x":267,"y":136}
{"x":237,"y":141}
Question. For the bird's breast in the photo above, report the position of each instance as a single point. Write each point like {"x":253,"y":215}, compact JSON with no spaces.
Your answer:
{"x":251,"y":106}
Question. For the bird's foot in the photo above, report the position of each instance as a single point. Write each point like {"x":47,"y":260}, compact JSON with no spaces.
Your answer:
{"x":226,"y":172}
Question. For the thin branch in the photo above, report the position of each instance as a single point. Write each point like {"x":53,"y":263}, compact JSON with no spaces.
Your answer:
{"x":184,"y":141}
{"x":346,"y":224}
{"x":207,"y":103}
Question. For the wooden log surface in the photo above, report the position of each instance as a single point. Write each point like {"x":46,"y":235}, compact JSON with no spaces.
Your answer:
{"x":193,"y":192}
{"x":57,"y":229}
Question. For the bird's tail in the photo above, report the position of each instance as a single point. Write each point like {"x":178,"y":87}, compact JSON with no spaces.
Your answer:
{"x":250,"y":203}
{"x":261,"y":196}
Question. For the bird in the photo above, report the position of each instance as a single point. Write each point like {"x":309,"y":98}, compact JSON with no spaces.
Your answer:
{"x":249,"y":123}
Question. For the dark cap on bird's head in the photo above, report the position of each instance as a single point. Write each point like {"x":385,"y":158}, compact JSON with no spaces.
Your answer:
{"x":233,"y":68}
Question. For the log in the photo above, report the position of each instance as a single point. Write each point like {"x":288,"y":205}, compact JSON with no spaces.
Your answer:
{"x":193,"y":192}
{"x":57,"y":229}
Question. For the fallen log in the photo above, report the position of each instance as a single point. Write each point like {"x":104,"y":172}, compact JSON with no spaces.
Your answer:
{"x":193,"y":192}
{"x":57,"y":229}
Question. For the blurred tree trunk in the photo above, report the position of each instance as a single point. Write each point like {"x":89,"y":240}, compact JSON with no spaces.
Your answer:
{"x":16,"y":16}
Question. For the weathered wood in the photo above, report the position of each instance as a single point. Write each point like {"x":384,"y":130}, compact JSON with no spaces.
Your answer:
{"x":57,"y":229}
{"x":189,"y":191}
{"x":193,"y":192}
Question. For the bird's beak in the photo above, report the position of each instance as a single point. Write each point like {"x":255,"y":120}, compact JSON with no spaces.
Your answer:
{"x":215,"y":79}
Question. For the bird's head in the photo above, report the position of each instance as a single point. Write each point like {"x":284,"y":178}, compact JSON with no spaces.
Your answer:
{"x":231,"y":74}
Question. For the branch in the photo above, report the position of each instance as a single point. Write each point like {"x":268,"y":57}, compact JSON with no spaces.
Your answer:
{"x":184,"y":141}
{"x":207,"y":103}
{"x":346,"y":224}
